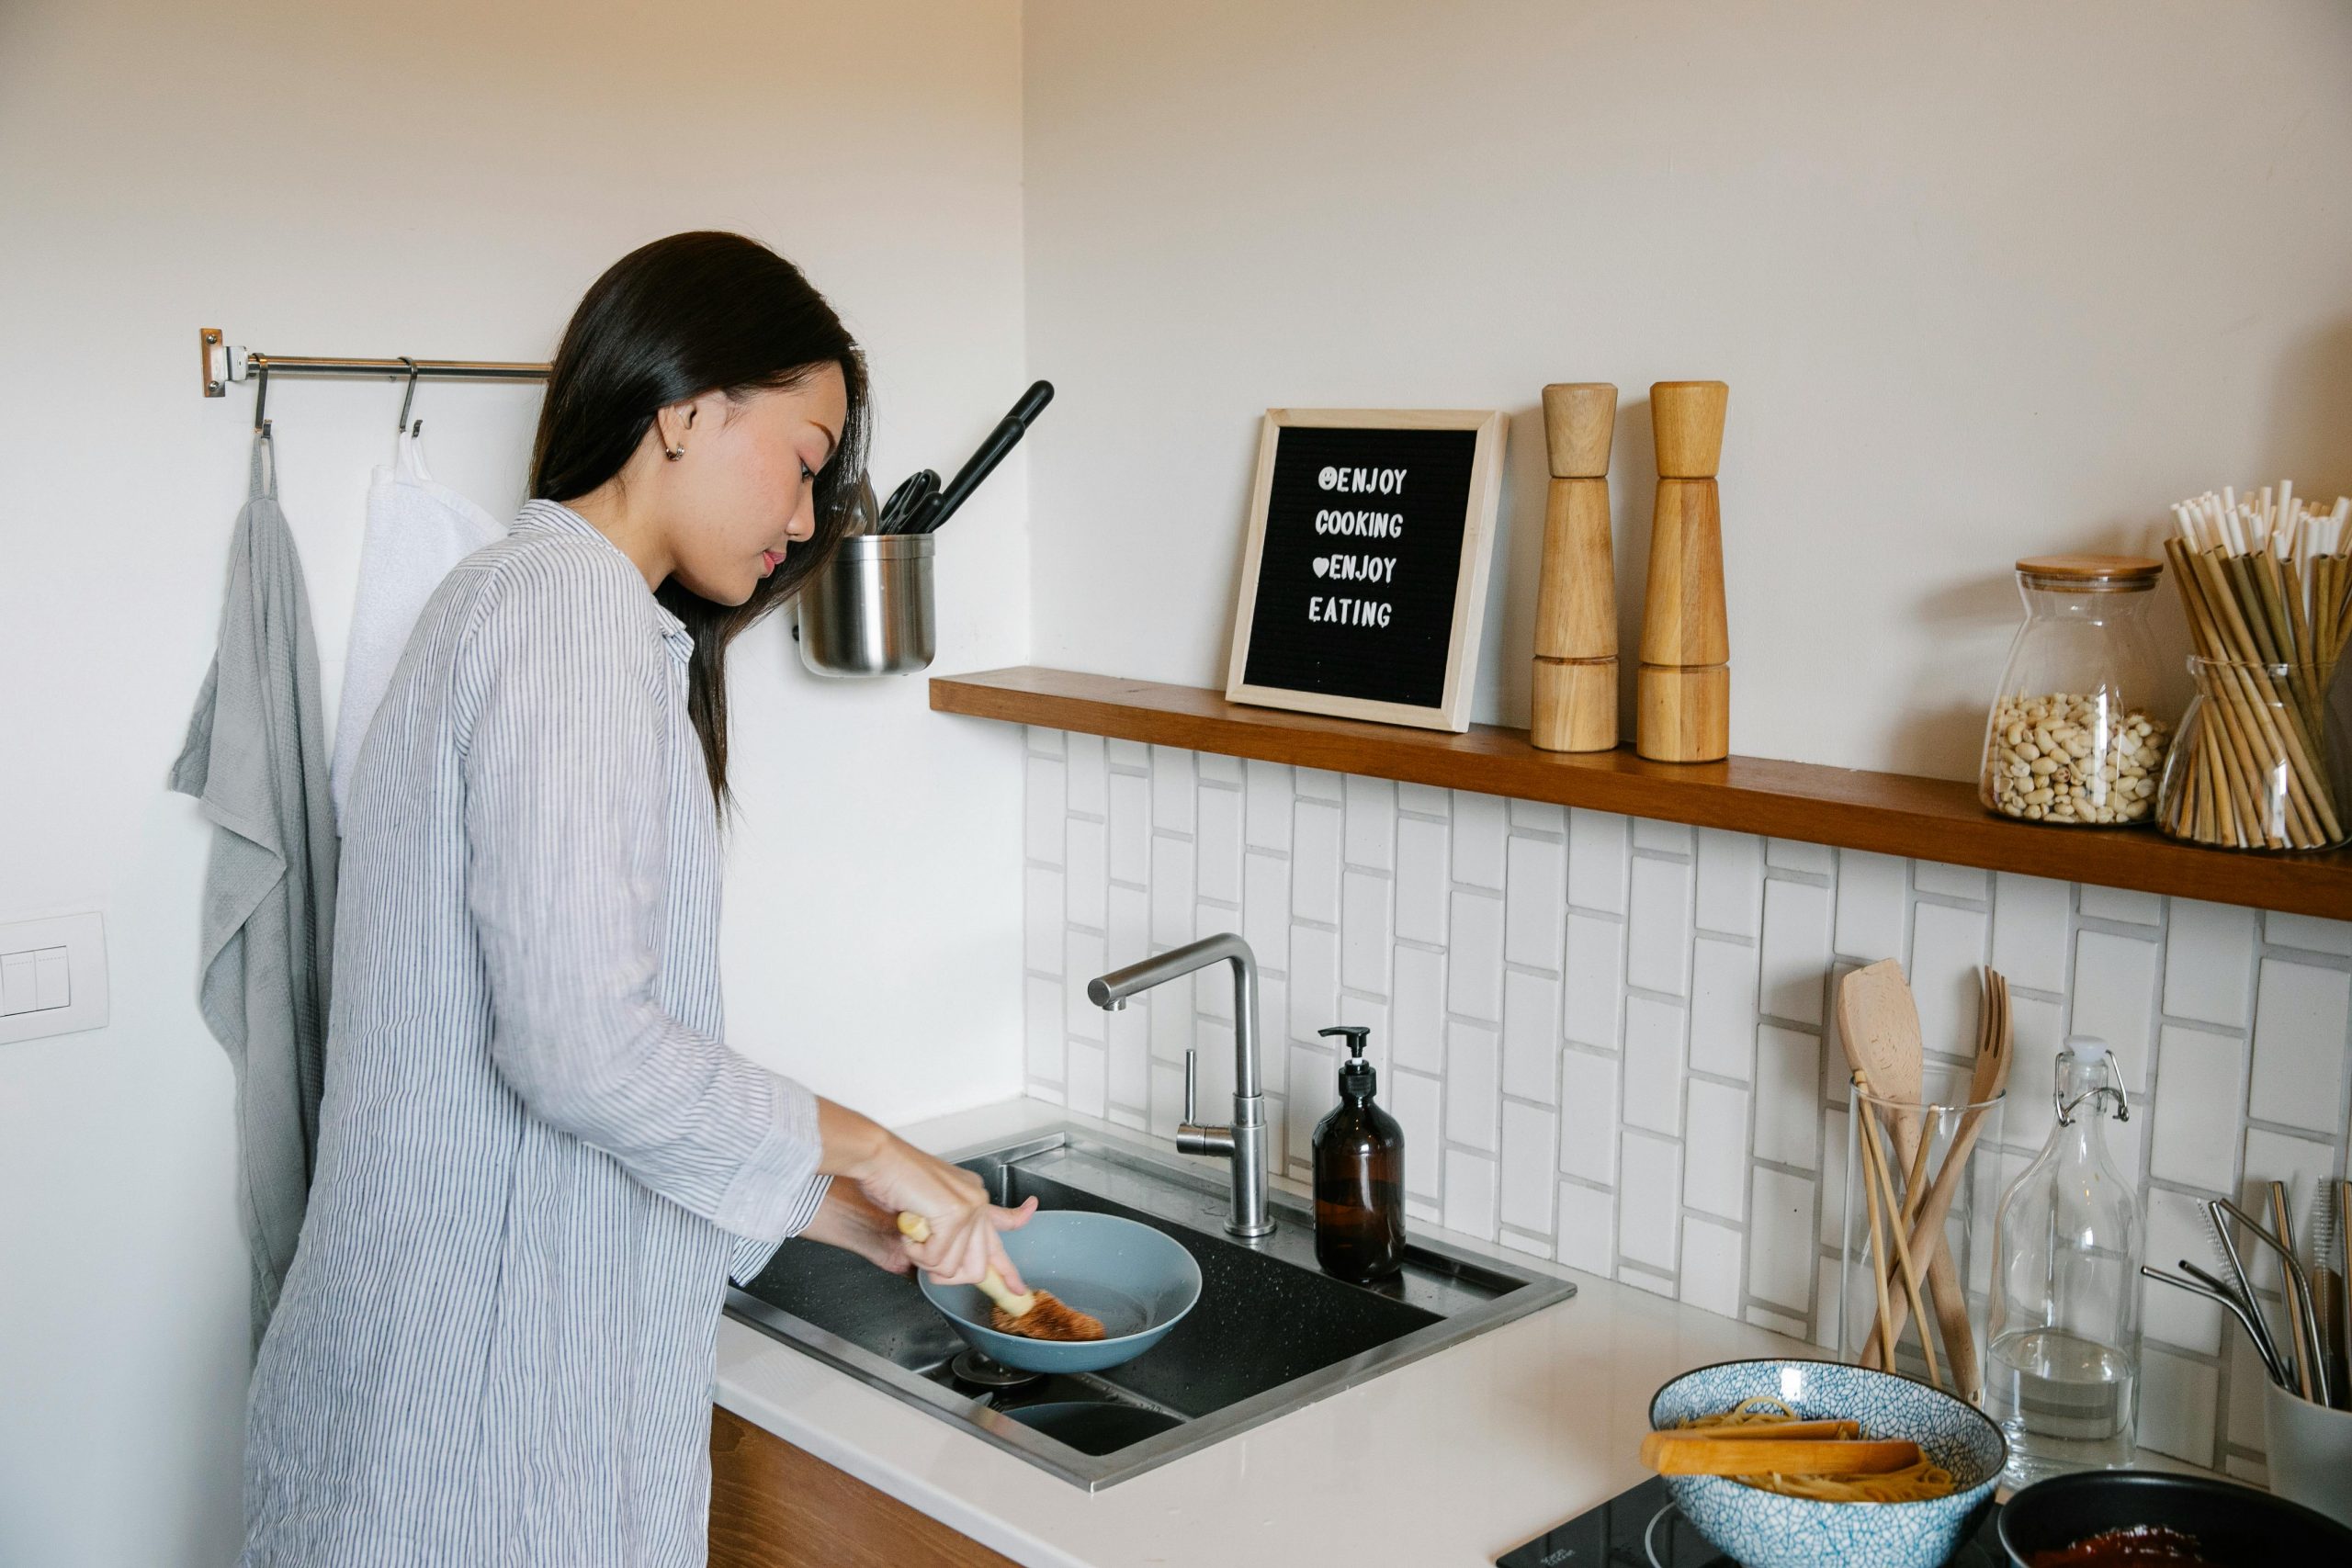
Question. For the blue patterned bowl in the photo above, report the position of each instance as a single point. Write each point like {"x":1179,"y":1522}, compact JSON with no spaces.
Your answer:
{"x":1765,"y":1529}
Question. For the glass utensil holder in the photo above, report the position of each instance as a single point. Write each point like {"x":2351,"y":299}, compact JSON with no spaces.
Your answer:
{"x":2063,"y":1341}
{"x":2077,"y":733}
{"x":1957,"y":1128}
{"x":2261,"y":760}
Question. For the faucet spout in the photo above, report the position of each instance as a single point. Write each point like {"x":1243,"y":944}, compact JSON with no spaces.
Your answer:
{"x":1245,"y":1141}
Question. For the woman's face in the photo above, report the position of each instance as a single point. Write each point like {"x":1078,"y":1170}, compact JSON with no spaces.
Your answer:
{"x":745,"y":491}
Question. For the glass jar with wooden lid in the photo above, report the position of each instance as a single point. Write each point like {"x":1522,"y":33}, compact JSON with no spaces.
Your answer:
{"x":2078,"y":728}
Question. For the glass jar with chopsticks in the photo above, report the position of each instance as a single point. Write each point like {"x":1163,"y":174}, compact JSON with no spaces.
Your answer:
{"x":2261,"y":763}
{"x":1916,"y":1224}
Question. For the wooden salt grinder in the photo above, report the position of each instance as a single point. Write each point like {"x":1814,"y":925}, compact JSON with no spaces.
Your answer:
{"x":1682,"y":693}
{"x":1575,"y":705}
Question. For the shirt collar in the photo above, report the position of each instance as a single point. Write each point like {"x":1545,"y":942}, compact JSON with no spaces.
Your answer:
{"x":553,"y":516}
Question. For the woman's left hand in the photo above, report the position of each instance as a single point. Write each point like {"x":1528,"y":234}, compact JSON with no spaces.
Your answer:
{"x":849,"y":1220}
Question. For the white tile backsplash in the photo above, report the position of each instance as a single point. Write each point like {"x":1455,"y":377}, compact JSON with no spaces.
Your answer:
{"x":1363,"y":927}
{"x":1787,"y":1096}
{"x":2299,"y":1022}
{"x":1710,"y":1274}
{"x":1424,"y":882}
{"x":1593,"y":989}
{"x":1531,"y":1035}
{"x":1266,"y":790}
{"x":1657,"y":931}
{"x":1527,"y":1178}
{"x":2209,"y":963}
{"x":1480,"y":823}
{"x":1218,"y":844}
{"x":1473,"y":1085}
{"x":1475,"y":957}
{"x":1873,"y":896}
{"x":2308,"y":933}
{"x":1171,"y":790}
{"x":1723,"y":1006}
{"x":2030,"y":918}
{"x":2115,"y":993}
{"x":1315,"y":862}
{"x":1654,"y":1065}
{"x":1535,"y":902}
{"x":1597,"y":860}
{"x":1589,"y":1117}
{"x":1418,"y":1009}
{"x":2201,"y":1083}
{"x":1130,"y":828}
{"x":1731,"y":883}
{"x":1796,"y":950}
{"x":1371,"y":809}
{"x":1607,"y":1040}
{"x":1715,"y":1155}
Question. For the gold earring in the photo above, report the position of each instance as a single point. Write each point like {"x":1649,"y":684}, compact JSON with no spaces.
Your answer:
{"x":674,"y":453}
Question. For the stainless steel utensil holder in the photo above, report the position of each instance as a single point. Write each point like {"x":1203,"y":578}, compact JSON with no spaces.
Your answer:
{"x":871,"y":610}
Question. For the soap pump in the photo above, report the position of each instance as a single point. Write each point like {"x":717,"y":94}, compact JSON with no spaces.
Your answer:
{"x":1359,"y":1176}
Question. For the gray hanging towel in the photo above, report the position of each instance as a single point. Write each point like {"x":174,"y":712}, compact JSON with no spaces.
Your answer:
{"x":257,"y":757}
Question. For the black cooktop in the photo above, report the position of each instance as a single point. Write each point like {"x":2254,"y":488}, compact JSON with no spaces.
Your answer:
{"x":1641,"y":1530}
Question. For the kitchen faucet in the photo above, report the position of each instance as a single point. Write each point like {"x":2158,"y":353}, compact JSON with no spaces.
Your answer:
{"x":1243,"y":1143}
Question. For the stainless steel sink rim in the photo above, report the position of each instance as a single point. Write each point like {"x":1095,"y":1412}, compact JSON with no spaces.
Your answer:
{"x":1291,"y":1240}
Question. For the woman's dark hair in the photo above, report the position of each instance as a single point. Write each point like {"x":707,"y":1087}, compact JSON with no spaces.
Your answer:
{"x":695,"y":313}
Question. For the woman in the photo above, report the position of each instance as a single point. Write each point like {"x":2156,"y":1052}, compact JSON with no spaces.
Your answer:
{"x":538,"y":1162}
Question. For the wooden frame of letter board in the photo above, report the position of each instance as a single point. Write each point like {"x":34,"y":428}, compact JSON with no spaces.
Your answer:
{"x":1452,"y":711}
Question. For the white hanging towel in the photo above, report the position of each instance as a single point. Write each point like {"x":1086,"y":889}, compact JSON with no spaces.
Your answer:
{"x":416,"y":530}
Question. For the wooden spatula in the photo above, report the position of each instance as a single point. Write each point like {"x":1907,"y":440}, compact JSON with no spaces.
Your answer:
{"x":1040,"y":1314}
{"x":1721,"y":1453}
{"x":1879,"y":1024}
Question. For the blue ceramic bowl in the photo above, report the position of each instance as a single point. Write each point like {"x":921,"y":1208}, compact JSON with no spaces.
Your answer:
{"x":1765,"y":1529}
{"x":1140,"y":1281}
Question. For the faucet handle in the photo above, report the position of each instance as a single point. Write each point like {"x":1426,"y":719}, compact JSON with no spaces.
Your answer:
{"x":1192,"y":1086}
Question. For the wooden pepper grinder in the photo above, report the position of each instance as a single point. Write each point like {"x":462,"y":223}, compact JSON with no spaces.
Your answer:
{"x":1575,"y":705}
{"x":1683,"y":694}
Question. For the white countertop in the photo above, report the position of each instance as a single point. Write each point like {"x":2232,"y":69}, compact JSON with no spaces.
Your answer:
{"x":1444,"y":1463}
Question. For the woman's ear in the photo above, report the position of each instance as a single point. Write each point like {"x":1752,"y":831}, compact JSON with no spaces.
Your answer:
{"x":671,"y":427}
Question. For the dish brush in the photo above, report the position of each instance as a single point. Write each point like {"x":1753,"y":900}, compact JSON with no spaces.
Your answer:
{"x":1039,"y":1315}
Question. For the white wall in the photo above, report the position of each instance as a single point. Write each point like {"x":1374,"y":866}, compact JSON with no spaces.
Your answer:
{"x":438,"y":179}
{"x":1986,"y":280}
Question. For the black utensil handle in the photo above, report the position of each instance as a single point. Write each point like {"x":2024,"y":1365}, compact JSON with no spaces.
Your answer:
{"x":1001,"y":440}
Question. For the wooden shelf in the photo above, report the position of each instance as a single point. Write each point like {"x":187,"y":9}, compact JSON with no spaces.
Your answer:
{"x":1896,"y":814}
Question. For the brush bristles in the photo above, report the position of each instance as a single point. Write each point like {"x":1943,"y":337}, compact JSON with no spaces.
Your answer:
{"x":1048,"y":1318}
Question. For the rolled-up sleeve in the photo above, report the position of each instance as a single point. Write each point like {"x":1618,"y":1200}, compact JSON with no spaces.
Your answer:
{"x":567,"y":813}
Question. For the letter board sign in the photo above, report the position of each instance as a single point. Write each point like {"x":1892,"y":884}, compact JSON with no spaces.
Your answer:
{"x":1363,"y":581}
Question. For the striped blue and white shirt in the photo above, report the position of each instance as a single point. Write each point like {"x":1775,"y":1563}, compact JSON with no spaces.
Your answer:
{"x":539,"y":1160}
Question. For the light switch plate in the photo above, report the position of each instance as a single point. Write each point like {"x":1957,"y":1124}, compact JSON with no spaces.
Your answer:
{"x":56,"y":969}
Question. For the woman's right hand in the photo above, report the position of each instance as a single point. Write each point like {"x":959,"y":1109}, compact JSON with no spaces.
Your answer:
{"x":964,"y":1228}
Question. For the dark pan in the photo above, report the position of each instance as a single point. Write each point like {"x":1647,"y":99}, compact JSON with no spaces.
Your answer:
{"x":2235,"y":1527}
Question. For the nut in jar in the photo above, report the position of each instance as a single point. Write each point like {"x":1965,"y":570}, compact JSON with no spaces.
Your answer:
{"x":2072,"y":757}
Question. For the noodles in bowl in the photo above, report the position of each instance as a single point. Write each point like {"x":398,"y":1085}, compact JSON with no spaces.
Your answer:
{"x":1810,"y":1521}
{"x":1918,"y":1483}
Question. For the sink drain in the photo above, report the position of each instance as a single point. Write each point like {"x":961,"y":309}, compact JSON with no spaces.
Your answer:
{"x":986,"y":1371}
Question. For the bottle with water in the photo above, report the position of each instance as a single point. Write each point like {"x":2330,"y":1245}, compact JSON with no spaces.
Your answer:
{"x":2063,"y":1356}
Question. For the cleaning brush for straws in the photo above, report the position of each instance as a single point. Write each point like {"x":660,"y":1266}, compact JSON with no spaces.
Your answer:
{"x":2267,"y":581}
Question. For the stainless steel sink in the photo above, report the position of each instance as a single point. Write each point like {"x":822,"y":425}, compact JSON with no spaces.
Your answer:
{"x":1272,"y":1331}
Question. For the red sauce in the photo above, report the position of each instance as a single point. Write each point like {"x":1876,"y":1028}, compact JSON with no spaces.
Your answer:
{"x":2140,"y":1547}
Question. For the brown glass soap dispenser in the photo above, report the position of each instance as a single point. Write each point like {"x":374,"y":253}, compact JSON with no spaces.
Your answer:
{"x":1359,"y":1176}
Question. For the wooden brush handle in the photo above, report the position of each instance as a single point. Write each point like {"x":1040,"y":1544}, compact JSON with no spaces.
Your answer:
{"x":1709,"y":1453}
{"x":917,"y":1229}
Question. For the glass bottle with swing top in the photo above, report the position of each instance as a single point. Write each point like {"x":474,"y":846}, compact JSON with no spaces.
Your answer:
{"x":2061,"y":1371}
